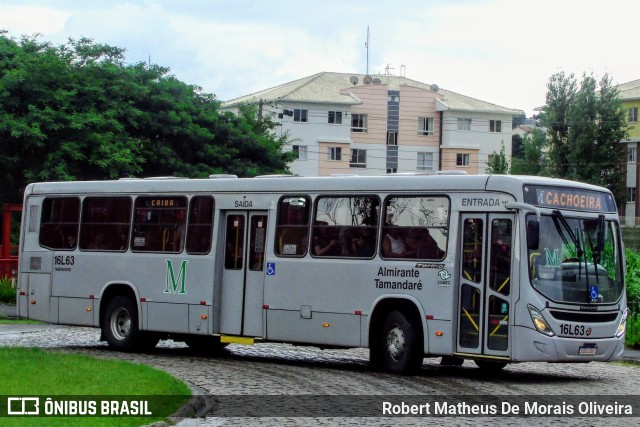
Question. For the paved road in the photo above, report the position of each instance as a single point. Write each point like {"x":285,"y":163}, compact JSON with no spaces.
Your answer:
{"x":287,"y":372}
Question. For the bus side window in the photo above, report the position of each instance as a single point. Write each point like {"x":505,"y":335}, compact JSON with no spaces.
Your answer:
{"x":292,"y":229}
{"x":200,"y":225}
{"x":105,"y":225}
{"x":59,"y":223}
{"x":415,"y":227}
{"x":159,"y":224}
{"x":346,"y":226}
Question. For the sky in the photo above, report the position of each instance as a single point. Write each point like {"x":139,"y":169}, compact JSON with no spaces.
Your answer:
{"x":499,"y":51}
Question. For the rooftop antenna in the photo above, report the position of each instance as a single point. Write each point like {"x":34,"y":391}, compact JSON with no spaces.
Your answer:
{"x":367,"y":46}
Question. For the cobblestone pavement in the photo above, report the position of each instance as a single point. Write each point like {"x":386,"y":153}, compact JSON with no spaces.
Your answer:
{"x":289,"y":371}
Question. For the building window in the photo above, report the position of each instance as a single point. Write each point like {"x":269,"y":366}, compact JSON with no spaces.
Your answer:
{"x":299,"y":115}
{"x":632,"y":154}
{"x":425,"y":125}
{"x":425,"y":162}
{"x":392,"y":170}
{"x":464,"y":124}
{"x":392,"y":138}
{"x":358,"y":123}
{"x":301,"y":151}
{"x":631,"y":194}
{"x":335,"y":153}
{"x":463,"y":159}
{"x":633,"y":115}
{"x":335,"y":117}
{"x":358,"y":158}
{"x":495,"y":125}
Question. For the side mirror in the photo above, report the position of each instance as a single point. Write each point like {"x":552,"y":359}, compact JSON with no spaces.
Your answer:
{"x":533,"y":234}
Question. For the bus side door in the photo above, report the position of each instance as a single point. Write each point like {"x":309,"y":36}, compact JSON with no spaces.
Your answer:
{"x":243,"y":274}
{"x":484,"y":297}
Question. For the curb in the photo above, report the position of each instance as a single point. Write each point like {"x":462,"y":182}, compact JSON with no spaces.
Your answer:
{"x":198,"y":406}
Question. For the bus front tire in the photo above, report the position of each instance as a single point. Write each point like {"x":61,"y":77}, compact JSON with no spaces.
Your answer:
{"x":120,"y":325}
{"x":401,"y":349}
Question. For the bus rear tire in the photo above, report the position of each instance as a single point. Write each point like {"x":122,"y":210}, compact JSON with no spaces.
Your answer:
{"x":120,"y":325}
{"x":401,"y":347}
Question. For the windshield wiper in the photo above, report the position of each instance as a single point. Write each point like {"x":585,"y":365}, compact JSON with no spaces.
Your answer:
{"x":574,"y":239}
{"x":579,"y":251}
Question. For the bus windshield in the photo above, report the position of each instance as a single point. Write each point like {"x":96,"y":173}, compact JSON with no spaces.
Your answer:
{"x":577,"y":260}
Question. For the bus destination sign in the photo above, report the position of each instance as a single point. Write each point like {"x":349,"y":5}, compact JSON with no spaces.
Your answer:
{"x":569,"y":198}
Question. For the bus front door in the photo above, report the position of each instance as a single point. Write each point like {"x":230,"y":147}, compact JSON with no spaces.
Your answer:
{"x":484,"y":297}
{"x":243,"y":275}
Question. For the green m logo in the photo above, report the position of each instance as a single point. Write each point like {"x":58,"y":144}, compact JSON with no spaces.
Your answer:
{"x":553,"y":260}
{"x":178,"y":282}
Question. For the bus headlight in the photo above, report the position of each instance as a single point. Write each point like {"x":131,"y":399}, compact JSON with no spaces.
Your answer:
{"x":622,"y":327}
{"x":539,"y":321}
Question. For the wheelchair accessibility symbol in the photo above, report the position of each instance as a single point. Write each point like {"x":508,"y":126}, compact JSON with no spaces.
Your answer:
{"x":271,"y":269}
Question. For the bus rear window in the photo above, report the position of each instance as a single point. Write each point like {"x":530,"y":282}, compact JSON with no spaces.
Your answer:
{"x":105,"y":223}
{"x":159,"y":224}
{"x":59,"y":223}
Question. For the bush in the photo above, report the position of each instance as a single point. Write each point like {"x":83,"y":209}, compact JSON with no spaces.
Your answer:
{"x":633,"y":275}
{"x":7,"y":291}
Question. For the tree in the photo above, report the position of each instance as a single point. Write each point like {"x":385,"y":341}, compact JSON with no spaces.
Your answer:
{"x":532,"y":160}
{"x":586,"y":124}
{"x":78,"y":112}
{"x":497,"y":163}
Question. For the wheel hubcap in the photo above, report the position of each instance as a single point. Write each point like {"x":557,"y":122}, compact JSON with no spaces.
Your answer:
{"x":396,"y":343}
{"x":120,"y":323}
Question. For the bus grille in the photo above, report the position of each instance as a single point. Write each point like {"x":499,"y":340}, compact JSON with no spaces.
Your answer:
{"x":584,"y":317}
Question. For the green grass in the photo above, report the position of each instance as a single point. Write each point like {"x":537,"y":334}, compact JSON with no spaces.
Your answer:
{"x":6,"y":321}
{"x":7,"y":291}
{"x":36,"y":372}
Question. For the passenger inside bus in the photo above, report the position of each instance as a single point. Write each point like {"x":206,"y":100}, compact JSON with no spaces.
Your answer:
{"x":424,"y":245}
{"x":394,"y":245}
{"x":325,"y":243}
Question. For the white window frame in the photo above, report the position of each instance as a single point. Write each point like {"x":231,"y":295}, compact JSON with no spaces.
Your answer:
{"x":631,"y":194}
{"x":632,"y":154}
{"x":360,"y":121}
{"x":360,"y":157}
{"x":334,"y":154}
{"x":633,"y":115}
{"x":302,"y":151}
{"x":300,"y":115}
{"x":424,"y":162}
{"x":464,"y":124}
{"x":495,"y":126}
{"x":425,"y":126}
{"x":463,"y":159}
{"x":334,"y":117}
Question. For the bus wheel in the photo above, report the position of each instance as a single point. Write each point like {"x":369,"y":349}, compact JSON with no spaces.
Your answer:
{"x":490,"y":365}
{"x":120,"y":324}
{"x":401,"y":349}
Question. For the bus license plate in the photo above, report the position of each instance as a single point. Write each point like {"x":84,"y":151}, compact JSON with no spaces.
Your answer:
{"x":588,"y":350}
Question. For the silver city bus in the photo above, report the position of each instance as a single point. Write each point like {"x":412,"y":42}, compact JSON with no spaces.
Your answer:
{"x":495,"y":269}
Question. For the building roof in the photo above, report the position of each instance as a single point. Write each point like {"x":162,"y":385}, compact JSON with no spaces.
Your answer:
{"x":630,"y":90}
{"x":325,"y":87}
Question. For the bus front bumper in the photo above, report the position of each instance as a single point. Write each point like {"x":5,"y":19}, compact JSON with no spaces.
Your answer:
{"x":532,"y":346}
